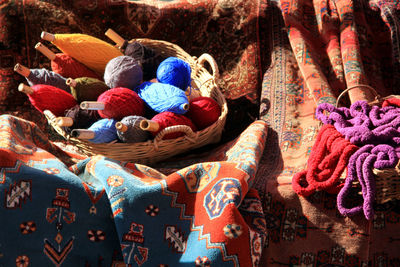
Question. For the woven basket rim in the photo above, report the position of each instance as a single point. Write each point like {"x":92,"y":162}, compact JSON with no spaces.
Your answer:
{"x":152,"y":151}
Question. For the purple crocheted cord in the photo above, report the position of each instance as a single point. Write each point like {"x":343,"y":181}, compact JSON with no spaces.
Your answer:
{"x":363,"y":124}
{"x":360,"y":166}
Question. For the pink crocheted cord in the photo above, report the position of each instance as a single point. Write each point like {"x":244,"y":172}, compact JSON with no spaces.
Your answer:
{"x":360,"y":166}
{"x":363,"y":124}
{"x":376,"y":130}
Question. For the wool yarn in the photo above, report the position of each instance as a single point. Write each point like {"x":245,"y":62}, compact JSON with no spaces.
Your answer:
{"x":148,"y":58}
{"x":102,"y":131}
{"x":82,"y":118}
{"x":86,"y":88}
{"x":118,"y":103}
{"x":44,"y":97}
{"x":93,"y":52}
{"x":65,"y":65}
{"x":327,"y":161}
{"x":392,"y":101}
{"x":123,"y":71}
{"x":174,"y":71}
{"x":162,"y":97}
{"x":129,"y":131}
{"x":362,"y":124}
{"x":42,"y":76}
{"x":360,"y":166}
{"x":166,"y":119}
{"x":203,"y":111}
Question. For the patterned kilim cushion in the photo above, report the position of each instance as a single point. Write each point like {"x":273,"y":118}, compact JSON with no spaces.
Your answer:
{"x":100,"y":211}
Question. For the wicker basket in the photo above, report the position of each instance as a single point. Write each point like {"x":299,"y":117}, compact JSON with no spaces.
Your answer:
{"x":156,"y":150}
{"x":387,"y":181}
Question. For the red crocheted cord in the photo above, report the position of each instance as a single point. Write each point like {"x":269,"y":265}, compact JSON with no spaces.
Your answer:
{"x":393,"y":101}
{"x":328,"y":159}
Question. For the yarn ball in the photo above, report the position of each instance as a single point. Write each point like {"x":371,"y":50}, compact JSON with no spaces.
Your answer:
{"x":123,"y":71}
{"x":88,"y":89}
{"x":82,"y":118}
{"x":104,"y":130}
{"x":166,"y":119}
{"x":174,"y":71}
{"x":148,"y":58}
{"x":203,"y":111}
{"x":162,"y":97}
{"x":51,"y":98}
{"x":134,"y":133}
{"x":92,"y":52}
{"x":120,"y":102}
{"x":67,"y":66}
{"x":44,"y":76}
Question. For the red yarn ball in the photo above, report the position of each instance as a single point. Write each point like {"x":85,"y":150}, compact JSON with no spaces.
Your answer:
{"x":203,"y":111}
{"x":120,"y":102}
{"x":52,"y":98}
{"x":69,"y":67}
{"x":167,"y":118}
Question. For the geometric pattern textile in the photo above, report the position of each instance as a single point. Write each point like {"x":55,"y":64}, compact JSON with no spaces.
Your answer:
{"x":104,"y":212}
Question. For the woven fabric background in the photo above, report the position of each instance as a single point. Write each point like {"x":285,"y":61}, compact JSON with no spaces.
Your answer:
{"x":278,"y":60}
{"x":318,"y":49}
{"x":228,"y":30}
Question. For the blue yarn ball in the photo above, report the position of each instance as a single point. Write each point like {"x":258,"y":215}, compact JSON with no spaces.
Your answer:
{"x":105,"y":131}
{"x":174,"y":71}
{"x":123,"y":71}
{"x":162,"y":97}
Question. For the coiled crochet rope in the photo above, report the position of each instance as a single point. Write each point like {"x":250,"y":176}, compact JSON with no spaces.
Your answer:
{"x":376,"y":130}
{"x":328,"y":159}
{"x":360,"y":166}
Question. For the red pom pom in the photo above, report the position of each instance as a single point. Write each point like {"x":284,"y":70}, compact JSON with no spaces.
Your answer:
{"x":166,"y":119}
{"x":68,"y":67}
{"x":51,"y":98}
{"x":120,"y":102}
{"x":203,"y":111}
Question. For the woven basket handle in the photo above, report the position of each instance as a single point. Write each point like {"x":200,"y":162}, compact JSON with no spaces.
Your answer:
{"x":49,"y":116}
{"x":190,"y":135}
{"x":214,"y":66}
{"x":377,"y":96}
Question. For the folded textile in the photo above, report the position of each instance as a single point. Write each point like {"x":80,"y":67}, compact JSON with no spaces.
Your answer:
{"x":102,"y":211}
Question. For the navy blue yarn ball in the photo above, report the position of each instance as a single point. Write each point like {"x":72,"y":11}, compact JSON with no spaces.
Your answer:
{"x":174,"y":71}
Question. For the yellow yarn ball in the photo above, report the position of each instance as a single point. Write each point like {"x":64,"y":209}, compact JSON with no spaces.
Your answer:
{"x":90,"y":51}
